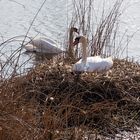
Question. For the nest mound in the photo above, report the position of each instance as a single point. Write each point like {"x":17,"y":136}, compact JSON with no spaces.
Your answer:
{"x":52,"y":97}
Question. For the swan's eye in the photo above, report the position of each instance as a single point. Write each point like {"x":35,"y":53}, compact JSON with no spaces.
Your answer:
{"x":77,"y":39}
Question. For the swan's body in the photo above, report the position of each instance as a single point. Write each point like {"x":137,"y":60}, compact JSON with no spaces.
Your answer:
{"x":43,"y":45}
{"x":46,"y":45}
{"x":91,"y":64}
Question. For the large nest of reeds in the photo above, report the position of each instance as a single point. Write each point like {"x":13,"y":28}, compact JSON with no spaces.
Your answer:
{"x":52,"y":98}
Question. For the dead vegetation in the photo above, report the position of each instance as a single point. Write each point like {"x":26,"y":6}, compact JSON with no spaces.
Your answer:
{"x":51,"y":99}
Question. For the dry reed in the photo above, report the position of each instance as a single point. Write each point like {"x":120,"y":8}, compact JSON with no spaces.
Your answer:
{"x":101,"y":30}
{"x":51,"y":100}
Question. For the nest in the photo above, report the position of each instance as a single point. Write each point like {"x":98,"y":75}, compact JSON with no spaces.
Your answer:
{"x":51,"y":97}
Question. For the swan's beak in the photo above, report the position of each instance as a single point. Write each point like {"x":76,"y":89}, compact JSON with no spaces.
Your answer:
{"x":75,"y":42}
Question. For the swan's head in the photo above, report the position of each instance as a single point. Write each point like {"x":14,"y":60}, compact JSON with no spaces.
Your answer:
{"x":80,"y":39}
{"x":74,"y":29}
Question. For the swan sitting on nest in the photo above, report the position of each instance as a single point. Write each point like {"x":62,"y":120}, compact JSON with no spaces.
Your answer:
{"x":43,"y":45}
{"x":90,"y":64}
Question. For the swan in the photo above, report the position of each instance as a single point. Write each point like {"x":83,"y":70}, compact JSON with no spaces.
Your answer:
{"x":70,"y":47}
{"x":93,"y":63}
{"x":43,"y":45}
{"x":46,"y":45}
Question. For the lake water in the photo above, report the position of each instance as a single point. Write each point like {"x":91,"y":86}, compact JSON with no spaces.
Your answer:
{"x":53,"y":21}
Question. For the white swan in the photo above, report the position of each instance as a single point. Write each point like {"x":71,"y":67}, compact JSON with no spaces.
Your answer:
{"x":43,"y":45}
{"x":90,"y":64}
{"x":46,"y":45}
{"x":70,"y":46}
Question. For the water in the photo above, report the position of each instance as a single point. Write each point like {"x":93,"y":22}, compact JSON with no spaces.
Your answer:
{"x":16,"y":17}
{"x":53,"y":21}
{"x":131,"y":22}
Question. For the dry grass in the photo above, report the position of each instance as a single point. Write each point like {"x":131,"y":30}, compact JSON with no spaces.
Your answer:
{"x":51,"y":102}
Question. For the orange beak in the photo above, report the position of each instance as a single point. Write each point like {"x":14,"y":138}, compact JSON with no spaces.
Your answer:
{"x":75,"y":42}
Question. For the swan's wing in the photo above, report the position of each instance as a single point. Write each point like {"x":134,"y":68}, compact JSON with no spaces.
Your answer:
{"x":100,"y":64}
{"x":50,"y":41}
{"x":53,"y":43}
{"x":79,"y":66}
{"x":46,"y":45}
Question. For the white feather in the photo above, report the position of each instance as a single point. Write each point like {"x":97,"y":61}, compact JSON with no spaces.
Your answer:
{"x":92,"y":64}
{"x":42,"y":44}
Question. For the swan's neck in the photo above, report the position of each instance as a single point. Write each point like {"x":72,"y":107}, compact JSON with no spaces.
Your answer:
{"x":84,"y":50}
{"x":71,"y":36}
{"x":71,"y":43}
